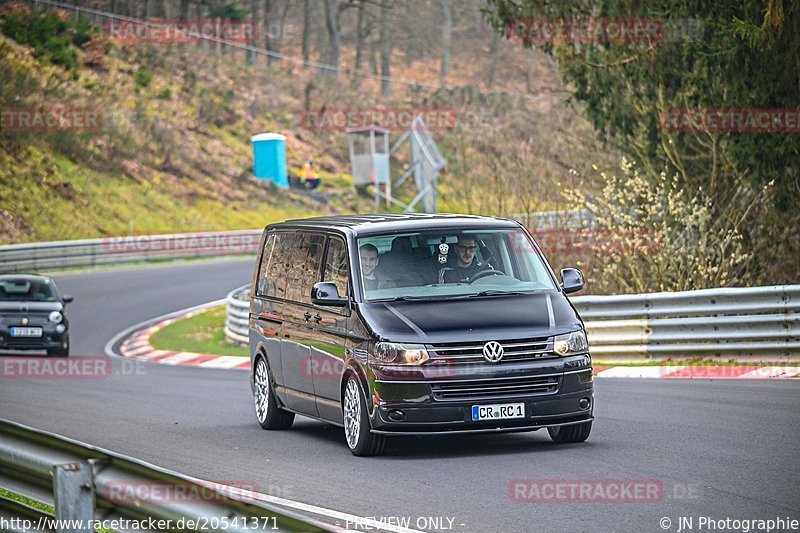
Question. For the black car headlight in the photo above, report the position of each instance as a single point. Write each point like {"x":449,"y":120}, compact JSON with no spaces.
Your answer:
{"x":55,"y":317}
{"x":392,"y":353}
{"x":571,"y":343}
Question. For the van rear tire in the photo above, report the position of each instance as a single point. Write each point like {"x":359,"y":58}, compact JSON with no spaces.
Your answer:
{"x":268,"y":413}
{"x":573,"y":433}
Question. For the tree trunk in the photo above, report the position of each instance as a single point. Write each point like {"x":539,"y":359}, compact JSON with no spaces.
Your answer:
{"x":373,"y":65}
{"x":333,"y":34}
{"x":493,"y":60}
{"x":184,"y":10}
{"x":306,"y":31}
{"x":157,"y":9}
{"x":447,"y":33}
{"x":359,"y":36}
{"x":320,"y":34}
{"x":252,"y":57}
{"x":269,"y":40}
{"x":386,"y":52}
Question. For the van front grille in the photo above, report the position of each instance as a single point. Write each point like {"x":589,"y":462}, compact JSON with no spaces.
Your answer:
{"x":500,"y":388}
{"x":513,"y":351}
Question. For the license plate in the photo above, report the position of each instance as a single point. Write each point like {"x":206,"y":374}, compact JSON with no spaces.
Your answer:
{"x":26,"y":332}
{"x":498,"y":411}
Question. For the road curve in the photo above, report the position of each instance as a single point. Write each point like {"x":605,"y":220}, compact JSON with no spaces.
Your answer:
{"x":719,"y":449}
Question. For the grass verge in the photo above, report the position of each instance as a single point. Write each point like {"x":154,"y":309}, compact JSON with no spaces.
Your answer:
{"x":202,"y":333}
{"x":41,"y":506}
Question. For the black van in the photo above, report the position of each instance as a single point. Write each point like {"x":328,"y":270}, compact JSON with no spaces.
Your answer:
{"x":416,"y":324}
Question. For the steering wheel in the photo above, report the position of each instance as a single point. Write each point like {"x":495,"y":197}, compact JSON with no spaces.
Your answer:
{"x":484,"y":273}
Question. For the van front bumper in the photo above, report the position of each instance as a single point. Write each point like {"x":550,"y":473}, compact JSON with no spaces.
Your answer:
{"x":412,"y":408}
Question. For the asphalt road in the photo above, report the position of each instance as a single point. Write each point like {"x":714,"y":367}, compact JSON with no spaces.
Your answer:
{"x":719,"y":449}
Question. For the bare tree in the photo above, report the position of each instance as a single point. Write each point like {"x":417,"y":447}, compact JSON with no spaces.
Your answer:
{"x":332,"y":23}
{"x":252,"y":57}
{"x":307,"y":23}
{"x":386,"y":51}
{"x":184,"y":10}
{"x":268,"y":37}
{"x":495,"y":48}
{"x":447,"y":34}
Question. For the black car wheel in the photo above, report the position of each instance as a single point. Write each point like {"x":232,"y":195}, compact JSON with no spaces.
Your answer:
{"x":574,"y":433}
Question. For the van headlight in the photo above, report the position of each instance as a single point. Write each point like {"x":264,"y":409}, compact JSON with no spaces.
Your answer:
{"x":392,"y":353}
{"x":55,"y":317}
{"x":571,"y":343}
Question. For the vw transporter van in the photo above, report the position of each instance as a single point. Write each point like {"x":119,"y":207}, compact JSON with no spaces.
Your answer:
{"x":391,"y":325}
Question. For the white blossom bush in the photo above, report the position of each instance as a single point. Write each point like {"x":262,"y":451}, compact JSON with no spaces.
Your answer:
{"x":651,"y":233}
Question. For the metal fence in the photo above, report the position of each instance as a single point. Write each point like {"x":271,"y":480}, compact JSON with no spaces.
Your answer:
{"x":762,"y":322}
{"x":85,"y":483}
{"x":126,"y":249}
{"x":237,"y":315}
{"x":728,"y":322}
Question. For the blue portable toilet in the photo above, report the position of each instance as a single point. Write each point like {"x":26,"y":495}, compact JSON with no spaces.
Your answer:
{"x":269,"y":158}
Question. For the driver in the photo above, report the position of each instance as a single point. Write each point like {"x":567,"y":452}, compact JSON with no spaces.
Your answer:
{"x":369,"y":262}
{"x":466,"y":265}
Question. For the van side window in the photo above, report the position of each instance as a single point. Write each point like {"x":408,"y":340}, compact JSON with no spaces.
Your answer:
{"x":276,"y":270}
{"x":266,"y":286}
{"x":303,"y":267}
{"x":336,"y":270}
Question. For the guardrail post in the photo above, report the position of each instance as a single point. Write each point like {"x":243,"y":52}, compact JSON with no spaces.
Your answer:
{"x":73,"y":486}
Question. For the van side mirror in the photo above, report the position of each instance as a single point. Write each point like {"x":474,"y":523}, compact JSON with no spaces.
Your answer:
{"x":326,"y":293}
{"x":571,"y":280}
{"x":67,"y":298}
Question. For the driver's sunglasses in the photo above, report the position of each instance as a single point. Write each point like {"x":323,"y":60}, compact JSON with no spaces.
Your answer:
{"x":467,"y":248}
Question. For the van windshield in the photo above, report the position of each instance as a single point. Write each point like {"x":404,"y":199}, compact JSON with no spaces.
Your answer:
{"x":451,"y":263}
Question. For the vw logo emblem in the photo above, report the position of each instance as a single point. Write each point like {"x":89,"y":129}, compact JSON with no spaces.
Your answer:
{"x":493,"y":351}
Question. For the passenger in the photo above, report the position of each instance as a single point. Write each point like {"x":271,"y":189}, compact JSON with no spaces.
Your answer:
{"x":466,"y":265}
{"x":369,"y":262}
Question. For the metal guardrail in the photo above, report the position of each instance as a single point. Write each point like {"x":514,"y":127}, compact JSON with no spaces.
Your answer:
{"x":237,"y":315}
{"x":725,"y":322}
{"x":86,"y":483}
{"x":728,"y":322}
{"x":126,"y":249}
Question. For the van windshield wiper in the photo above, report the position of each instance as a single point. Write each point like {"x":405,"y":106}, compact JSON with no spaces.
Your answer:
{"x":495,"y":292}
{"x":401,"y":298}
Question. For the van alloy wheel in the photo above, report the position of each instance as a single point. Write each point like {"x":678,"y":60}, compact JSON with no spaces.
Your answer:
{"x":352,"y":413}
{"x":262,"y":391}
{"x":360,"y":439}
{"x":268,"y":412}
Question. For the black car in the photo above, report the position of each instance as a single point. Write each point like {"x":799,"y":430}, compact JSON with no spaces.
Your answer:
{"x":32,"y":315}
{"x":416,"y":324}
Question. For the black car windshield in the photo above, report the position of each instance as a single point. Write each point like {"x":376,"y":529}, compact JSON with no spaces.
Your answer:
{"x":27,"y":290}
{"x":451,"y":263}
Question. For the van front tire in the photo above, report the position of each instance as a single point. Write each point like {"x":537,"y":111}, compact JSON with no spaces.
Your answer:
{"x":268,"y":414}
{"x":573,"y":433}
{"x":357,"y":433}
